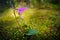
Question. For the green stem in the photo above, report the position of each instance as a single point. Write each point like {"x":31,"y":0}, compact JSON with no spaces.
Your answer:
{"x":16,"y":18}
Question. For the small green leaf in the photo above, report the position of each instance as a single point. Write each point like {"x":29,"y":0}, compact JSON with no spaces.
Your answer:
{"x":31,"y":32}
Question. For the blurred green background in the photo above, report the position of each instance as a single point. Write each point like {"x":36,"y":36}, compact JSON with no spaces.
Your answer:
{"x":41,"y":21}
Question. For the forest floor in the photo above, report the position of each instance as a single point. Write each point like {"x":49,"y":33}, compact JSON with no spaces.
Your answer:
{"x":32,"y":17}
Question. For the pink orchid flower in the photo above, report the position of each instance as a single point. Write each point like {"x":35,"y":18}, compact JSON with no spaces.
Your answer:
{"x":21,"y":10}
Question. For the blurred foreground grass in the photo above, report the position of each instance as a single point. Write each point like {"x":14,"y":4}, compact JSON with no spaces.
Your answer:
{"x":45,"y":21}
